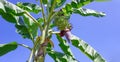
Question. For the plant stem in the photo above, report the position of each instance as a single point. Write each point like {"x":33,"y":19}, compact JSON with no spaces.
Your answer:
{"x":43,"y":14}
{"x":23,"y":45}
{"x":45,"y":29}
{"x":40,"y":26}
{"x":49,"y":16}
{"x":47,"y":9}
{"x":31,"y":56}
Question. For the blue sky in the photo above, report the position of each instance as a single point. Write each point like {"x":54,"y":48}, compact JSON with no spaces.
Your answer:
{"x":103,"y":34}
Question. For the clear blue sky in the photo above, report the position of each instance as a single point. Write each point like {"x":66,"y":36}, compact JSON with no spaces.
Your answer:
{"x":101,"y":33}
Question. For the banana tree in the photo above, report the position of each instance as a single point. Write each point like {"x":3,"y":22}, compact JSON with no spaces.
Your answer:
{"x":55,"y":13}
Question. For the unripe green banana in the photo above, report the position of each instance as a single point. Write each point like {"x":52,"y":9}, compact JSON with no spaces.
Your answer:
{"x":61,"y":21}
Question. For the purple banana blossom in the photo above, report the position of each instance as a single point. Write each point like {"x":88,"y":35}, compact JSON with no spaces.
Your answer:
{"x":68,"y":35}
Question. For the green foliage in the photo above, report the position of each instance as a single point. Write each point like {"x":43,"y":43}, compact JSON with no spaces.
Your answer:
{"x":64,"y":46}
{"x":82,"y":46}
{"x":55,"y":15}
{"x":81,"y":3}
{"x":88,"y":12}
{"x":7,"y":7}
{"x":5,"y":48}
{"x":76,"y":7}
{"x":12,"y":18}
{"x":40,"y":20}
{"x":60,"y":3}
{"x":29,"y":7}
{"x":86,"y":49}
{"x":44,"y":1}
{"x":60,"y":57}
{"x":24,"y":23}
{"x":26,"y":27}
{"x":11,"y":10}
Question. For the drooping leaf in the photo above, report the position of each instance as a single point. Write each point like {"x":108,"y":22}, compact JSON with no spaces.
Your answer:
{"x":88,"y":12}
{"x":86,"y":49}
{"x":21,"y":29}
{"x":10,"y":11}
{"x":10,"y":17}
{"x":2,"y":8}
{"x":26,"y":27}
{"x":5,"y":48}
{"x":24,"y":23}
{"x":60,"y":57}
{"x":76,"y":7}
{"x":7,"y":7}
{"x":32,"y":26}
{"x":64,"y":46}
{"x":29,"y":7}
{"x":81,"y":3}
